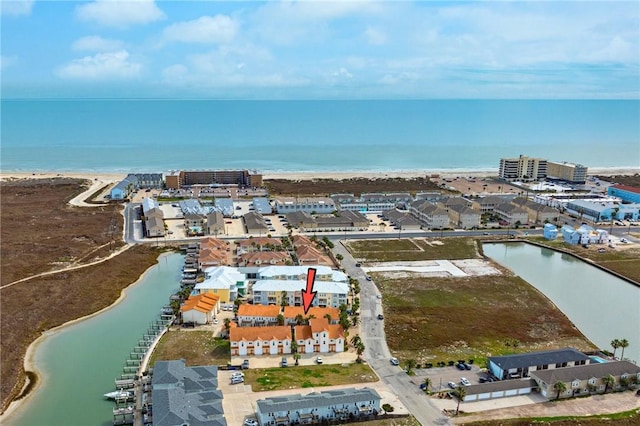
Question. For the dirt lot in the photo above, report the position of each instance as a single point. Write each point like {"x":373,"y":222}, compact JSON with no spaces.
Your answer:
{"x":325,"y":187}
{"x":40,"y":232}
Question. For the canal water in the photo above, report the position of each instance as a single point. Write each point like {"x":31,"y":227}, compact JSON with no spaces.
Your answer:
{"x":602,"y":306}
{"x":80,"y":362}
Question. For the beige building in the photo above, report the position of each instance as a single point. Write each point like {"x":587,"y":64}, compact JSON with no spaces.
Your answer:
{"x":574,"y":173}
{"x":272,"y":340}
{"x":178,"y":178}
{"x":522,"y":168}
{"x":430,"y":216}
{"x":586,"y":379}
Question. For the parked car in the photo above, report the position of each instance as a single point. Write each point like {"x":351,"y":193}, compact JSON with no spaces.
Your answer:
{"x":236,"y":380}
{"x":464,"y":381}
{"x":452,"y":385}
{"x":250,"y":422}
{"x":237,"y":374}
{"x":319,"y":360}
{"x":423,"y":386}
{"x":460,"y":366}
{"x":357,"y":265}
{"x":467,"y":366}
{"x":245,"y":364}
{"x":368,"y":278}
{"x":283,"y":363}
{"x":394,"y":361}
{"x":380,"y":316}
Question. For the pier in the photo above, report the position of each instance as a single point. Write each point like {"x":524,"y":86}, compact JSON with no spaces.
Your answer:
{"x":135,"y":409}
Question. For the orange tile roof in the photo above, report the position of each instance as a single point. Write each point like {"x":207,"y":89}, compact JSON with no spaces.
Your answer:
{"x":336,"y":331}
{"x":319,"y":325}
{"x":252,"y":334}
{"x":299,"y":240}
{"x":208,"y":255}
{"x":263,"y":241}
{"x":303,"y":332}
{"x":202,"y":302}
{"x":308,"y":253}
{"x":211,"y":242}
{"x":246,"y":310}
{"x":264,"y":257}
{"x":291,"y":312}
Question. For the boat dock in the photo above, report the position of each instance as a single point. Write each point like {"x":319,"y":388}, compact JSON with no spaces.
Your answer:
{"x":135,"y":408}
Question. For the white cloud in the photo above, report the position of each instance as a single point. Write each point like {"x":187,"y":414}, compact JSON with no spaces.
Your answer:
{"x":96,"y":44}
{"x":16,"y":7}
{"x":120,"y":14}
{"x":102,"y":66}
{"x":375,"y":36}
{"x":206,"y":29}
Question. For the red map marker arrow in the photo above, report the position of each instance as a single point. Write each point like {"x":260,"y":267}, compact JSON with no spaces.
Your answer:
{"x":308,"y":294}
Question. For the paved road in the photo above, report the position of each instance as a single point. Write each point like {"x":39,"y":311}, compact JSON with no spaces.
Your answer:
{"x":377,"y":352}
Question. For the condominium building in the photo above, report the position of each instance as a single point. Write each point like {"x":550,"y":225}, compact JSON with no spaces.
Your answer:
{"x":328,"y":407}
{"x":176,"y":179}
{"x":522,"y":168}
{"x":569,"y":172}
{"x":317,"y":205}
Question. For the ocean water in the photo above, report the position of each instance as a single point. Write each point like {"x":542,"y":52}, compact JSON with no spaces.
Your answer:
{"x":271,"y":136}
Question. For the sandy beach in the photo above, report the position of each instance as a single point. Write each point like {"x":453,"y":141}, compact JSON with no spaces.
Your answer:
{"x":303,"y":175}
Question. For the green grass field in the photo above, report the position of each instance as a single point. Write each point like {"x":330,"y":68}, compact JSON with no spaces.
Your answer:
{"x":267,"y":379}
{"x":195,"y":347}
{"x":414,"y":249}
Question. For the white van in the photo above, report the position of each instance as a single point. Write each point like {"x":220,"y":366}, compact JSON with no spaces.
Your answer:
{"x":237,"y":379}
{"x":237,"y":374}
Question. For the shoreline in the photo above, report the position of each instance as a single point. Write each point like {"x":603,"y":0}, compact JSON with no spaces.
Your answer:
{"x":110,"y":177}
{"x":29,"y":356}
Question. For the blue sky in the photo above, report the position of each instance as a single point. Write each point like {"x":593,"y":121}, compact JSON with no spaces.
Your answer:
{"x":321,"y":49}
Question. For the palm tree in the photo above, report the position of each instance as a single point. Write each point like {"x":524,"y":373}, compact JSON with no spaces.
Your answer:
{"x":280,"y":319}
{"x":427,"y":384}
{"x":608,"y":381}
{"x":355,"y":320}
{"x":299,"y":319}
{"x":624,"y":343}
{"x":355,"y":340}
{"x":360,"y":351}
{"x":460,"y":392}
{"x":411,"y":364}
{"x":559,"y":387}
{"x":615,"y":344}
{"x":227,"y":325}
{"x":328,"y":317}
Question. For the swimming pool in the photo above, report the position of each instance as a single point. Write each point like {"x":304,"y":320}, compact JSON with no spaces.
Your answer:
{"x":597,"y":359}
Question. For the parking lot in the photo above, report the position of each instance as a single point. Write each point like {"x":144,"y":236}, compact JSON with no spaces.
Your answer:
{"x":441,"y":376}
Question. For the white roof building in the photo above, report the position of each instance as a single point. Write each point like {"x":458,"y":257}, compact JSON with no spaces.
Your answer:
{"x":323,"y":273}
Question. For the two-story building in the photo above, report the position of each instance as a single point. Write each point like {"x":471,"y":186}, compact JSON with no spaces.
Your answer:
{"x":318,"y":205}
{"x":268,"y":340}
{"x":257,"y":315}
{"x":333,"y":406}
{"x":586,"y":379}
{"x":293,"y":313}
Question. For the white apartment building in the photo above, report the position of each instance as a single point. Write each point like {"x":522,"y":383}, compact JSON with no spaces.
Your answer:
{"x":522,"y":168}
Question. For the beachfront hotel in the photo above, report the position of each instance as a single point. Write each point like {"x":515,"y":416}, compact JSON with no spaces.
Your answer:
{"x":176,"y":179}
{"x":568,"y":172}
{"x":522,"y":168}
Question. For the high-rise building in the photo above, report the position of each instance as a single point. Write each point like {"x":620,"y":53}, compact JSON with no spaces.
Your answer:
{"x":178,"y":178}
{"x":523,"y":168}
{"x":574,"y":173}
